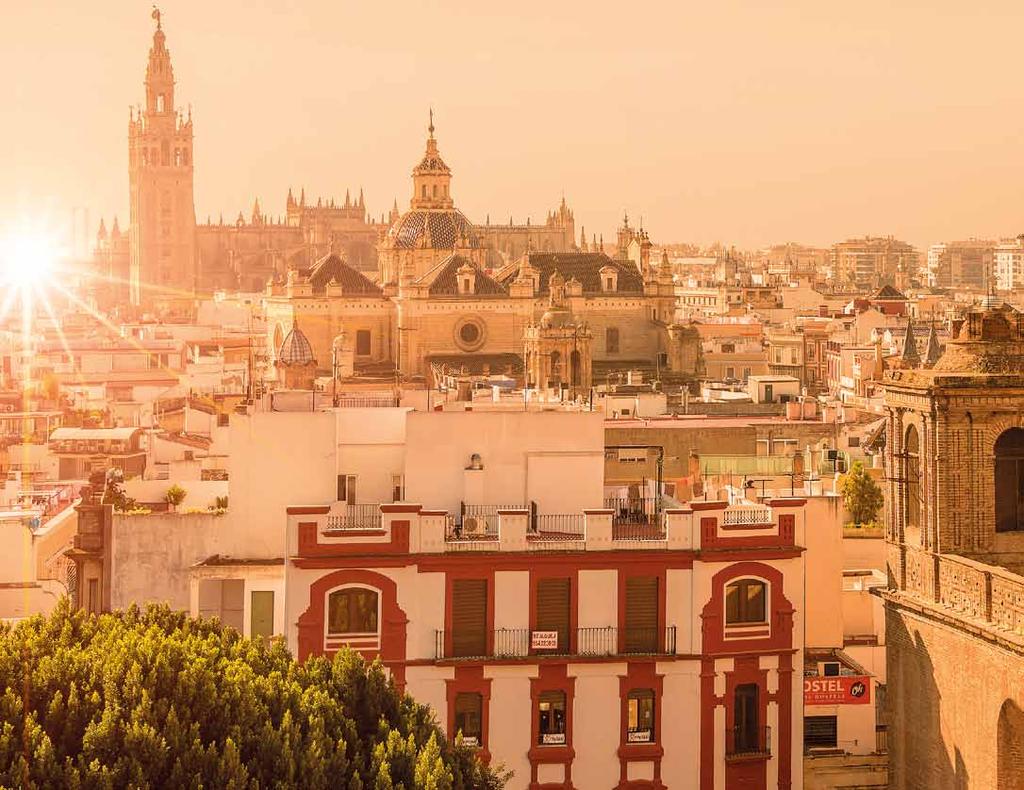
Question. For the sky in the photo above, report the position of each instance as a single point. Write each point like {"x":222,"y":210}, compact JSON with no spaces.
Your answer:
{"x":737,"y":121}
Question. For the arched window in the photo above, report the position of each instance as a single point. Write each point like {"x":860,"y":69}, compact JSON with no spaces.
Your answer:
{"x":1009,"y":493}
{"x":353,"y":610}
{"x":434,"y":191}
{"x":165,"y":153}
{"x":424,"y":191}
{"x":160,"y":102}
{"x":745,"y":601}
{"x":1009,"y":747}
{"x":912,"y":498}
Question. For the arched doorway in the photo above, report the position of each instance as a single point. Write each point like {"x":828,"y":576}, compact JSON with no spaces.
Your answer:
{"x":1010,"y":747}
{"x":912,"y":450}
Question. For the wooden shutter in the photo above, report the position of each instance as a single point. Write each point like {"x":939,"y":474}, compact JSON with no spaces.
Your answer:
{"x":469,"y":617}
{"x":261,"y":614}
{"x":553,"y":603}
{"x":641,"y":614}
{"x":233,"y":603}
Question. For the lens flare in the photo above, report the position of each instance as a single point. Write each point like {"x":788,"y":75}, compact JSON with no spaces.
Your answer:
{"x":27,"y":259}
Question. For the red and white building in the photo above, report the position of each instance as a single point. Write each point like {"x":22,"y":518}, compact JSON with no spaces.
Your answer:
{"x":593,"y":648}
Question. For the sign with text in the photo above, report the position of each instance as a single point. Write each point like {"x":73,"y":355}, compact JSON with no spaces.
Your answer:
{"x":544,"y":640}
{"x":838,"y":690}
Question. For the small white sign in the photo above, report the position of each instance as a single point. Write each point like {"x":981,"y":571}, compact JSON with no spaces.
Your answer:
{"x":552,"y":738}
{"x":638,"y":736}
{"x":470,"y":740}
{"x":544,"y":640}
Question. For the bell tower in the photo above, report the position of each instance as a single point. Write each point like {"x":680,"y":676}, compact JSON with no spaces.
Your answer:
{"x":431,"y":178}
{"x":163,"y":216}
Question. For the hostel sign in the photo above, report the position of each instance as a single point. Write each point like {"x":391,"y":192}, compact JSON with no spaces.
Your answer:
{"x":838,"y":690}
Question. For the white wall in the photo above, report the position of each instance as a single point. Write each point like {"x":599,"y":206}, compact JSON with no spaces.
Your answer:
{"x":440,"y":445}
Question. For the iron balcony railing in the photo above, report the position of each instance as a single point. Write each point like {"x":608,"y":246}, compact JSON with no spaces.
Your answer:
{"x":581,"y":642}
{"x":748,"y":742}
{"x":557,"y":526}
{"x":355,"y":517}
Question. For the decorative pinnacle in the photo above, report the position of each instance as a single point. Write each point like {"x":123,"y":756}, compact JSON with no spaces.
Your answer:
{"x":156,"y":15}
{"x":431,"y":127}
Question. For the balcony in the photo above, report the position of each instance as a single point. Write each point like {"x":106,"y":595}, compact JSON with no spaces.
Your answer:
{"x":743,"y":743}
{"x":588,"y":643}
{"x":640,"y":518}
{"x":354,"y":518}
{"x":747,"y":516}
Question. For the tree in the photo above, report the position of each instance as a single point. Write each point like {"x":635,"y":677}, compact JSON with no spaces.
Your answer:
{"x":861,"y":494}
{"x":175,"y":495}
{"x":155,"y":698}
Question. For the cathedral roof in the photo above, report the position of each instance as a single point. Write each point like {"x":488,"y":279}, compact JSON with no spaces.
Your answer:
{"x":446,"y":227}
{"x":295,"y":348}
{"x":583,"y":266}
{"x":443,"y":279}
{"x":332,"y":269}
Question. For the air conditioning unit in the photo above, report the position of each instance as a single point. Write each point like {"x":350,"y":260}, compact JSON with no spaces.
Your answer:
{"x":829,"y":669}
{"x":471,"y":524}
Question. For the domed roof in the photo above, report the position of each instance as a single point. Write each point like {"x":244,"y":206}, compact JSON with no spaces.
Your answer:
{"x":295,"y":349}
{"x":446,"y":226}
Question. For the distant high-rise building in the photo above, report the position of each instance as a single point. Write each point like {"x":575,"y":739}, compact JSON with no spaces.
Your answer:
{"x":960,"y":264}
{"x":869,"y":263}
{"x":163,"y":216}
{"x":1008,"y":264}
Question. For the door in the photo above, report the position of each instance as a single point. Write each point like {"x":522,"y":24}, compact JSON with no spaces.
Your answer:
{"x":261,"y":614}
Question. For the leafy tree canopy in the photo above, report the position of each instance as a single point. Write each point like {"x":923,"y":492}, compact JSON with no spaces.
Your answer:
{"x":861,"y":494}
{"x":154,"y":699}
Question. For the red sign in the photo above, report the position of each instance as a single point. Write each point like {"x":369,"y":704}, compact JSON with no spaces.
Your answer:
{"x":839,"y":690}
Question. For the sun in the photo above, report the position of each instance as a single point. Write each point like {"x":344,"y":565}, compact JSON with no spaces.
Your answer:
{"x":27,"y":259}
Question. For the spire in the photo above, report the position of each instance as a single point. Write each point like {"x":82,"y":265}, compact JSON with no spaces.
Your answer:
{"x":932,"y":350}
{"x":583,"y":238}
{"x":291,"y":199}
{"x":102,"y":232}
{"x":257,"y":216}
{"x":911,"y":356}
{"x":361,"y":203}
{"x":431,"y":127}
{"x":302,"y":197}
{"x":348,"y":199}
{"x":593,"y":245}
{"x":159,"y":73}
{"x":115,"y":229}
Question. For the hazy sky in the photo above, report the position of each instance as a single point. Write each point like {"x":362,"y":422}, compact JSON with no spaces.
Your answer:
{"x":746,"y":122}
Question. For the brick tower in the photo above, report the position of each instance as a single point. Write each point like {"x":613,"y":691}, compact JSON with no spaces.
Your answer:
{"x":163,"y":216}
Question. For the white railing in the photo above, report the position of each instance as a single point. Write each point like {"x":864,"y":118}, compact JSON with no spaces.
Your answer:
{"x":355,"y":517}
{"x":744,"y":516}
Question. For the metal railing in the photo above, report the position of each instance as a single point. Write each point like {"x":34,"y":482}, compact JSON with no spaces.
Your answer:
{"x":748,"y":742}
{"x":584,"y":642}
{"x":355,"y":517}
{"x":633,"y":510}
{"x":557,"y":526}
{"x":881,"y":738}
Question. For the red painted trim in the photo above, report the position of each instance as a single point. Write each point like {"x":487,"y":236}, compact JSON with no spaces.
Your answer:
{"x":362,"y":533}
{"x":310,"y":545}
{"x":551,"y":677}
{"x":697,"y":505}
{"x":400,"y":507}
{"x":785,"y":502}
{"x":392,"y":625}
{"x":780,"y":612}
{"x":750,"y":771}
{"x":308,"y":511}
{"x":753,"y":555}
{"x":784,"y":698}
{"x":524,"y":561}
{"x":514,"y":512}
{"x":433,"y":512}
{"x":599,"y":512}
{"x":640,"y":675}
{"x":708,"y":702}
{"x":470,"y":679}
{"x":746,"y":527}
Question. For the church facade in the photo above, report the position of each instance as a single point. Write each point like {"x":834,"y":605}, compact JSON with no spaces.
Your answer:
{"x":438,"y":302}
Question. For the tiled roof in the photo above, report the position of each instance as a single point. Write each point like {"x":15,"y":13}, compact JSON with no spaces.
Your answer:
{"x":582,"y":266}
{"x":446,"y":228}
{"x":443,"y":279}
{"x":887,"y":292}
{"x":332,"y":269}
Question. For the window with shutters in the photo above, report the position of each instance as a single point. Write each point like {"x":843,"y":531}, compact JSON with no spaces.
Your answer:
{"x":640,"y":716}
{"x":469,"y":617}
{"x":469,"y":708}
{"x":223,"y":599}
{"x":553,"y":611}
{"x":347,"y":489}
{"x":261,"y":614}
{"x":551,"y":718}
{"x":640,"y":629}
{"x":820,"y":732}
{"x":353,"y":611}
{"x":745,"y":602}
{"x":746,"y":720}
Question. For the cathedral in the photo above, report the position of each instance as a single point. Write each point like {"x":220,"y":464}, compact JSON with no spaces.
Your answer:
{"x":410,"y":293}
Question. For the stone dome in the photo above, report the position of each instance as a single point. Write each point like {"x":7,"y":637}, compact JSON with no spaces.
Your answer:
{"x":295,"y":349}
{"x":447,"y":227}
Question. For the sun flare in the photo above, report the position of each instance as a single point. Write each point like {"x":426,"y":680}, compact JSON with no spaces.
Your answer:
{"x":27,"y":259}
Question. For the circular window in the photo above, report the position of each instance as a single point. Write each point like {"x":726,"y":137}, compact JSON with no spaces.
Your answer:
{"x":470,"y":334}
